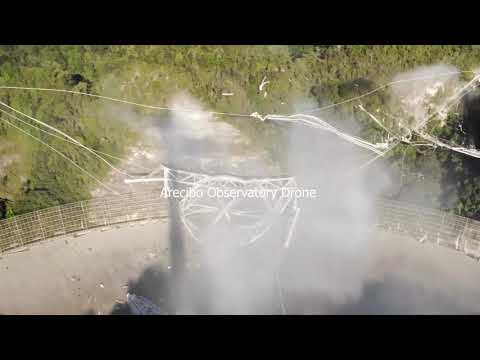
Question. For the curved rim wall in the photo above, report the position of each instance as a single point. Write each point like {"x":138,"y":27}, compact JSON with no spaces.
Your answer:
{"x":423,"y":224}
{"x":74,"y":218}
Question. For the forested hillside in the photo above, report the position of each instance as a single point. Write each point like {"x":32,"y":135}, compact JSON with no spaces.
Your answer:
{"x":32,"y":176}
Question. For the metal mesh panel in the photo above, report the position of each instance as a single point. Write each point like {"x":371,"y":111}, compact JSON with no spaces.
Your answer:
{"x":80,"y":216}
{"x":436,"y":226}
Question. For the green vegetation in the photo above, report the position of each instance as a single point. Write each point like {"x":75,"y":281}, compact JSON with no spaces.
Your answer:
{"x":36,"y":177}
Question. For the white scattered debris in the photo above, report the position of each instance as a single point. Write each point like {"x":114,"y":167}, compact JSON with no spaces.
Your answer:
{"x":101,"y":285}
{"x":258,"y":116}
{"x":264,"y":82}
{"x":142,"y":153}
{"x":262,"y":86}
{"x":227,"y":94}
{"x":383,"y":145}
{"x":423,"y":238}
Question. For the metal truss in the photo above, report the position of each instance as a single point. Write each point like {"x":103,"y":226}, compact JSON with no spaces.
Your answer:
{"x":246,"y":207}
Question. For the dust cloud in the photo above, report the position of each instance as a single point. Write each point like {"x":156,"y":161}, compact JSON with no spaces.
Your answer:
{"x":337,"y":262}
{"x":426,"y":95}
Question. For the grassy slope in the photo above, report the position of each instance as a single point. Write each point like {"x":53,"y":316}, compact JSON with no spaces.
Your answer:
{"x":151,"y":74}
